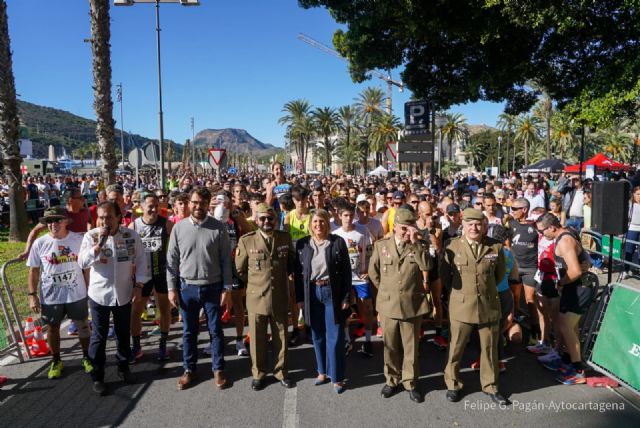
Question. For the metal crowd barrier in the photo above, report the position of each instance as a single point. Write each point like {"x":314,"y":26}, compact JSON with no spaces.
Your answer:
{"x":598,"y":237}
{"x":15,"y":326}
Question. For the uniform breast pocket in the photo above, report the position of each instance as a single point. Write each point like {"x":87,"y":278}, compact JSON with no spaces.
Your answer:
{"x":387,"y":266}
{"x":256,"y":262}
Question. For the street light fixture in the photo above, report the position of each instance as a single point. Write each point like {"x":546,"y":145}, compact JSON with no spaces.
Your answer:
{"x":441,"y":121}
{"x":160,"y":118}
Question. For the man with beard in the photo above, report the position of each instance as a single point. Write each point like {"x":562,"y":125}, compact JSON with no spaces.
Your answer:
{"x":264,"y":259}
{"x":199,"y":255}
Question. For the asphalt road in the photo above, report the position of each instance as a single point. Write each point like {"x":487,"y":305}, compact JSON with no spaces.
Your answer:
{"x":31,"y":400}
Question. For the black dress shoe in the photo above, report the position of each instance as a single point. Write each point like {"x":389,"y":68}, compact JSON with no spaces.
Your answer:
{"x":387,"y":391}
{"x":127,"y":377}
{"x":416,"y":396}
{"x":453,"y":395}
{"x":287,"y":383}
{"x":99,"y":388}
{"x":257,"y":384}
{"x":499,"y":399}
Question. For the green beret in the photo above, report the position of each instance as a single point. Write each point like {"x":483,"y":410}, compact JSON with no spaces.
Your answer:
{"x":405,"y":216}
{"x":265,"y":209}
{"x":472,"y":214}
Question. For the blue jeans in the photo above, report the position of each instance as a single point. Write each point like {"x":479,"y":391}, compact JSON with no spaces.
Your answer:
{"x":99,"y":330}
{"x":630,"y":248}
{"x":192,"y":299}
{"x":328,"y":337}
{"x":576,"y":223}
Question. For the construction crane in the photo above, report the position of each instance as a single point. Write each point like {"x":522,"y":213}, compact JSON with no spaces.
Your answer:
{"x":386,"y":77}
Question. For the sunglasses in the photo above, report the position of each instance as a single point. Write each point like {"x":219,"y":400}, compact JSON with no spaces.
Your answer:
{"x":265,"y":218}
{"x":414,"y":202}
{"x":517,"y":208}
{"x":53,"y":220}
{"x":161,"y":196}
{"x":542,"y":231}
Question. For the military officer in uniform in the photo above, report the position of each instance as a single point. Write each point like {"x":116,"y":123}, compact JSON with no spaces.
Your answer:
{"x":264,"y":259}
{"x":471,"y":266}
{"x":396,"y":268}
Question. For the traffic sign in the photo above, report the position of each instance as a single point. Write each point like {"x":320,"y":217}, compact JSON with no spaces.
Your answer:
{"x":416,"y":116}
{"x":216,"y":156}
{"x":414,"y":146}
{"x":414,"y":157}
{"x":390,"y":151}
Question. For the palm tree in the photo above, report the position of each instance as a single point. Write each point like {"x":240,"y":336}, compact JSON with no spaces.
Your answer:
{"x":369,"y":105}
{"x":454,"y":129}
{"x":170,"y":153}
{"x":103,"y":104}
{"x":506,"y":124}
{"x":347,"y":133}
{"x":300,"y":127}
{"x":616,"y":143}
{"x":527,"y":133}
{"x":10,"y":134}
{"x":327,"y":123}
{"x":564,"y":137}
{"x":384,"y":130}
{"x":186,"y":152}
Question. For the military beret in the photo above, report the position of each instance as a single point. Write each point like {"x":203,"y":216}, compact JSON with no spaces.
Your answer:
{"x":472,"y":214}
{"x":404,"y":216}
{"x":265,"y":209}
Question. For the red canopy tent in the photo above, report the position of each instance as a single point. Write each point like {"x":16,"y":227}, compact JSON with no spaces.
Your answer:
{"x":601,"y":162}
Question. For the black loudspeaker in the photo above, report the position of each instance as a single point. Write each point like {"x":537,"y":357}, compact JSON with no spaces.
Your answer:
{"x":610,"y":207}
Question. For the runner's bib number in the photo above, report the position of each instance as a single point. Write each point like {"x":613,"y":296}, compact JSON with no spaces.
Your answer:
{"x":152,"y":244}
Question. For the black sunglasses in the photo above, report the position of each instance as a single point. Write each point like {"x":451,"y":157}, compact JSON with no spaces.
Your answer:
{"x":53,"y":220}
{"x":265,"y":218}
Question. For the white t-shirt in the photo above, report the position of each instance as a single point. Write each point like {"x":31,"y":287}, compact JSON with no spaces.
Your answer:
{"x":356,"y":241}
{"x":61,"y":279}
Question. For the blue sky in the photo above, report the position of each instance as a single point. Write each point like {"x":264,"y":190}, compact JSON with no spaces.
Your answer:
{"x":228,"y":64}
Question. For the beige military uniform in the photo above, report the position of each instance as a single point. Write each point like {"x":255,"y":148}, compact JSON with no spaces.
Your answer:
{"x":264,"y":268}
{"x":401,"y":302}
{"x":473,"y":301}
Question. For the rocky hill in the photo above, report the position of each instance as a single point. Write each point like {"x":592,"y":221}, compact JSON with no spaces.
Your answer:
{"x":233,"y":140}
{"x":47,"y":125}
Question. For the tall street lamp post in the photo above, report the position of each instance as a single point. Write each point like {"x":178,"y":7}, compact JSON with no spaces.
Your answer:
{"x":499,"y":153}
{"x":160,"y":117}
{"x":440,"y":122}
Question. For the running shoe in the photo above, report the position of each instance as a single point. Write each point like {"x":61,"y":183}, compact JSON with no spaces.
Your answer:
{"x":136,"y":353}
{"x":379,"y":332}
{"x":156,"y":331}
{"x":72,"y":330}
{"x":3,"y":380}
{"x":553,"y":355}
{"x":86,"y":365}
{"x":348,"y":347}
{"x":502,"y":366}
{"x":112,"y":333}
{"x":575,"y":378}
{"x":55,"y":370}
{"x":241,"y":349}
{"x":540,"y":348}
{"x":163,"y":354}
{"x":440,"y":342}
{"x":553,"y":365}
{"x":366,"y":350}
{"x":475,"y":365}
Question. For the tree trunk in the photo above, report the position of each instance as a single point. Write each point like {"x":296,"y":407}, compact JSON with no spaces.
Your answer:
{"x":547,"y":107}
{"x":103,"y":104}
{"x":10,"y":134}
